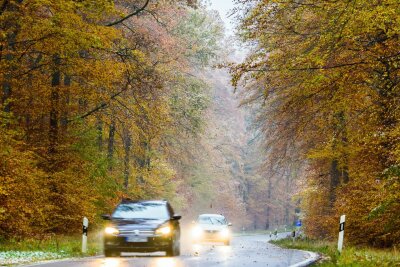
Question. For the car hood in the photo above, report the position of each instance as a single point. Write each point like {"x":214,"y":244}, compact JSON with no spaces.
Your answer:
{"x":137,"y":224}
{"x":212,"y":227}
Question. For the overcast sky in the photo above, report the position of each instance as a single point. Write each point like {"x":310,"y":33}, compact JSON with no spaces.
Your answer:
{"x":223,"y":7}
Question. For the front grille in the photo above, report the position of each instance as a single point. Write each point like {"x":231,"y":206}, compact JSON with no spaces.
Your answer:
{"x":135,"y":232}
{"x":211,"y":231}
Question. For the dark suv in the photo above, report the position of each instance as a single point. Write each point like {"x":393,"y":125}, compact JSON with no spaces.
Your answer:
{"x":142,"y":226}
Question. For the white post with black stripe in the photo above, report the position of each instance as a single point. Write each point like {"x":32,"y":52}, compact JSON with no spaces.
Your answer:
{"x":341,"y":233}
{"x":85,"y":226}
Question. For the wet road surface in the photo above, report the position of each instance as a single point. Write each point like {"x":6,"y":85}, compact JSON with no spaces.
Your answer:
{"x":244,"y":251}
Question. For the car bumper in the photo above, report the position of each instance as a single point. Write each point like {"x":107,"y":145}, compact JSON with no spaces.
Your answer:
{"x":122,"y":243}
{"x":212,"y":238}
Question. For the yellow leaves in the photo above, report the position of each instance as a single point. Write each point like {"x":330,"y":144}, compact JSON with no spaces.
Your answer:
{"x":140,"y":56}
{"x":327,"y":71}
{"x":79,"y":89}
{"x":21,"y":191}
{"x":64,"y":28}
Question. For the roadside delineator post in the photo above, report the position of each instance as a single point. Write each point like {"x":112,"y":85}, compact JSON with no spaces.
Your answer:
{"x":341,"y":232}
{"x":298,"y":225}
{"x":85,"y":226}
{"x":293,"y":235}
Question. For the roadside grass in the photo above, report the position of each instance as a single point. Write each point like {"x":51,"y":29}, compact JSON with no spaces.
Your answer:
{"x":350,"y":256}
{"x":50,"y":248}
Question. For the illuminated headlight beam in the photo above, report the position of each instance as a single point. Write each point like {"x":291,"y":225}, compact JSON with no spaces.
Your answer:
{"x":225,"y":233}
{"x":166,"y":230}
{"x":111,"y":231}
{"x":197,"y":232}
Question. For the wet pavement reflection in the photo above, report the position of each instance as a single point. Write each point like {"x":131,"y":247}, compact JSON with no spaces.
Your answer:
{"x":243,"y":251}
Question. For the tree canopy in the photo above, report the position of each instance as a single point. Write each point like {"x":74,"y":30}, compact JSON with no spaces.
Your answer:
{"x":95,"y":95}
{"x":325,"y":75}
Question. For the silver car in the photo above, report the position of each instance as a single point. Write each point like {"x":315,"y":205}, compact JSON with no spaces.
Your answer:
{"x":211,"y":228}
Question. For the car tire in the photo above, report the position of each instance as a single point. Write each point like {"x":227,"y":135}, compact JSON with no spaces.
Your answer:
{"x":108,"y":253}
{"x":174,"y":249}
{"x":117,"y":253}
{"x":111,"y":253}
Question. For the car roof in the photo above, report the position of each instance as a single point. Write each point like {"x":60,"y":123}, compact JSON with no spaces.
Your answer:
{"x":127,"y":200}
{"x":212,"y":215}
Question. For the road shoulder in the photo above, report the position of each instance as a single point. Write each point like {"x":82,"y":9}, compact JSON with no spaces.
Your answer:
{"x":313,"y":257}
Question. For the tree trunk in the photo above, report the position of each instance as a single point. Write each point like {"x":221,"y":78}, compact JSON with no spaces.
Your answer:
{"x":287,"y":199}
{"x":111,"y":140}
{"x":388,"y":99}
{"x":54,"y":105}
{"x":64,"y":116}
{"x":268,"y":215}
{"x":12,"y":27}
{"x":148,"y":154}
{"x":338,"y":175}
{"x":6,"y":94}
{"x":127,"y":148}
{"x":7,"y":90}
{"x":142,"y":161}
{"x":99,"y":127}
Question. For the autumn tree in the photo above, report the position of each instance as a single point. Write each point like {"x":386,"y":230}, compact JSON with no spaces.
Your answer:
{"x":92,"y":95}
{"x":328,"y":75}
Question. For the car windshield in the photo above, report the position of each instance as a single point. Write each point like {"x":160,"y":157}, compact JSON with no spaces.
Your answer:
{"x":141,"y":210}
{"x":212,"y":220}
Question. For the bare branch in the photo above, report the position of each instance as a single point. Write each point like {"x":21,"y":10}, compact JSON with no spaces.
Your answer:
{"x":136,"y":12}
{"x":100,"y":106}
{"x":309,"y":68}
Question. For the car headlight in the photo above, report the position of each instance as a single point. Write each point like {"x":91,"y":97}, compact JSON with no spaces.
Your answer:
{"x":164,"y":230}
{"x":111,"y":231}
{"x":225,"y":232}
{"x":197,"y":231}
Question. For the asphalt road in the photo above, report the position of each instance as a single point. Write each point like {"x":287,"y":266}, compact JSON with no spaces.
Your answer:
{"x":244,"y":251}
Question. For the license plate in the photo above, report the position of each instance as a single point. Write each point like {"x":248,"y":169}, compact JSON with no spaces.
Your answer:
{"x":136,"y":239}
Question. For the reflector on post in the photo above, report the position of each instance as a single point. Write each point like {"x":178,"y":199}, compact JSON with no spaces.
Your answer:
{"x":85,"y":226}
{"x":341,"y":232}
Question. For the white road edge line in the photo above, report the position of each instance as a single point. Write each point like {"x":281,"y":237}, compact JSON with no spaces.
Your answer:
{"x":312,"y":259}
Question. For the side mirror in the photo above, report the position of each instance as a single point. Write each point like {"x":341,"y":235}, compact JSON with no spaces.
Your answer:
{"x":176,"y":217}
{"x":229,"y":224}
{"x":106,"y":217}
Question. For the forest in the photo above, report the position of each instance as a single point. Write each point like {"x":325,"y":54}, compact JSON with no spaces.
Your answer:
{"x":99,"y":101}
{"x":102,"y":100}
{"x":323,"y":81}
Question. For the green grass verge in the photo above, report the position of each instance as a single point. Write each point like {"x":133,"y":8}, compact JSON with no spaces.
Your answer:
{"x":350,"y":256}
{"x":55,"y":247}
